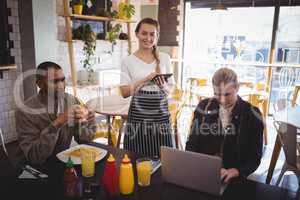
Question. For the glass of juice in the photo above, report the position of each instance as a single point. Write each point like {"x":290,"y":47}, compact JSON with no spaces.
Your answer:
{"x":144,"y":169}
{"x":87,"y":163}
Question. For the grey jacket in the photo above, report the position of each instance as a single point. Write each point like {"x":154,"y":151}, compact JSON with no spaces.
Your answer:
{"x":38,"y":139}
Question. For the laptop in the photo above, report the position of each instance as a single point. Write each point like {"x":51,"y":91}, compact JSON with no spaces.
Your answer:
{"x":192,"y":170}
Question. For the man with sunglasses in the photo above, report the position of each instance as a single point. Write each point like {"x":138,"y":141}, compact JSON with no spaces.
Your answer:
{"x":228,"y":127}
{"x":48,"y":121}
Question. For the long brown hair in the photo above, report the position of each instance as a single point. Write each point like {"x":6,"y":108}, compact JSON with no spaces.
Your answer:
{"x":154,"y":50}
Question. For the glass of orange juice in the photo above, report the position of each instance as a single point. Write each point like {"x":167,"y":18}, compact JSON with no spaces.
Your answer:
{"x":144,"y":169}
{"x":87,"y":163}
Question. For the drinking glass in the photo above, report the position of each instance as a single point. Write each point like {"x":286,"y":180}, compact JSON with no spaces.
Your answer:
{"x":87,"y":163}
{"x":144,"y":168}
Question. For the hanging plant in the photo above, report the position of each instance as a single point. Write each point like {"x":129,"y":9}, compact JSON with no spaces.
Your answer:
{"x":86,"y":34}
{"x":113,"y":34}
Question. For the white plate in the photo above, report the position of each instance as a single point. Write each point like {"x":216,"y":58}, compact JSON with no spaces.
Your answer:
{"x":64,"y":155}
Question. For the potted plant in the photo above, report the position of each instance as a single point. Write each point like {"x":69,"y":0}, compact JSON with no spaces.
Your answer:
{"x":126,"y":10}
{"x":86,"y":34}
{"x":113,"y":34}
{"x":77,"y":6}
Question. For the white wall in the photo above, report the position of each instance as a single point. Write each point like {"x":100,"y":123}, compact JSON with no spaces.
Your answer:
{"x":45,"y":30}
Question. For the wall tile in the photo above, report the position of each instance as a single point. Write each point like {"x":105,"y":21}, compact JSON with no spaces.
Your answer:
{"x":7,"y":105}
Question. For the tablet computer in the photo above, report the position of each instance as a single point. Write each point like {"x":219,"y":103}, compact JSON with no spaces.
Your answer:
{"x":164,"y":76}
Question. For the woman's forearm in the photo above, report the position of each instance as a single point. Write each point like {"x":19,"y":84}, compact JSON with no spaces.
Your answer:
{"x":129,"y":90}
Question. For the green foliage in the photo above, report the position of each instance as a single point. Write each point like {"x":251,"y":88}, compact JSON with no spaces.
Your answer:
{"x":129,"y":10}
{"x":113,"y":34}
{"x":114,"y":14}
{"x":86,"y":34}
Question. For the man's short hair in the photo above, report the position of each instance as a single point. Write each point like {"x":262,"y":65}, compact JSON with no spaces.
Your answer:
{"x":44,"y":67}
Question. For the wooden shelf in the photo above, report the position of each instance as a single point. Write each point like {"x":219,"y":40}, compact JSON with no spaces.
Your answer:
{"x":68,"y":20}
{"x":7,"y":67}
{"x":98,"y":18}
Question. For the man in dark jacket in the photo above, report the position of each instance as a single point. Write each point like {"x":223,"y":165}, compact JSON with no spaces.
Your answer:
{"x":229,"y":127}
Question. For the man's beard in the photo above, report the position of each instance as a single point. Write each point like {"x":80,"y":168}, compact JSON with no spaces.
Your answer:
{"x":55,"y":98}
{"x":58,"y":95}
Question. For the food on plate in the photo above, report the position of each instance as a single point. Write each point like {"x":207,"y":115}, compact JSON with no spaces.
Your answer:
{"x":77,"y":152}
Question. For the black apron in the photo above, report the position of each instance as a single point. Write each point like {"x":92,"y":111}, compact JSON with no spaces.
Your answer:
{"x":148,"y":126}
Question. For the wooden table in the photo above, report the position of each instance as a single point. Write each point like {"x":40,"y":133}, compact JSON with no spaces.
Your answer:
{"x":110,"y":106}
{"x":290,"y":115}
{"x":53,"y":187}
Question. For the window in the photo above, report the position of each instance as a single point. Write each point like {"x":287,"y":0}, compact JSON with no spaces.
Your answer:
{"x":240,"y":38}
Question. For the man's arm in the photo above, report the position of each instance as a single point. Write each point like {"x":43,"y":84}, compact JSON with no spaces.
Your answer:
{"x":37,"y":145}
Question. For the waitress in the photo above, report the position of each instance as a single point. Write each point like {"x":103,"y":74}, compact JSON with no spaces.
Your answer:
{"x":148,"y":126}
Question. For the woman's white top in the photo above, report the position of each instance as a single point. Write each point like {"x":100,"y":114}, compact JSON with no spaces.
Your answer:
{"x":134,"y":69}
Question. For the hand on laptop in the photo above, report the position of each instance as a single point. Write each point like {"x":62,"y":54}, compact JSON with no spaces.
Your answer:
{"x":228,"y":174}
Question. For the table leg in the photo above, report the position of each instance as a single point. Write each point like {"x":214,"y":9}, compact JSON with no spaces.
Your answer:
{"x":109,"y":130}
{"x":275,"y":155}
{"x":120,"y":133}
{"x":264,"y":108}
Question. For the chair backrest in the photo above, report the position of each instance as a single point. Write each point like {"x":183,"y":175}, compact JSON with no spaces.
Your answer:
{"x":295,"y":94}
{"x":3,"y":142}
{"x":288,"y":134}
{"x":260,"y":86}
{"x":177,"y":94}
{"x":246,"y":84}
{"x":286,"y":77}
{"x":175,"y":110}
{"x":254,"y":99}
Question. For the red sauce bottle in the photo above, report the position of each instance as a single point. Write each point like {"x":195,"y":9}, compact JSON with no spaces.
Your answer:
{"x":110,"y":176}
{"x":70,"y":180}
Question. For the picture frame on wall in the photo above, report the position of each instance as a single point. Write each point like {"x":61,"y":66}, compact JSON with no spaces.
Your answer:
{"x":98,"y":27}
{"x":96,"y":7}
{"x":93,"y":8}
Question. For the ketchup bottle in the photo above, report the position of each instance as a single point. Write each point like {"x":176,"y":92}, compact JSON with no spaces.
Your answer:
{"x":110,"y":176}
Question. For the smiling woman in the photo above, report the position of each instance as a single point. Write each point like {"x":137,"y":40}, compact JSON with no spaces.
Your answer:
{"x":148,"y":125}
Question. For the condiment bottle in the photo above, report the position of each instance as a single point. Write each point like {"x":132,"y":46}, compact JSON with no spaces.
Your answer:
{"x":110,"y":176}
{"x":70,"y":180}
{"x":126,"y":181}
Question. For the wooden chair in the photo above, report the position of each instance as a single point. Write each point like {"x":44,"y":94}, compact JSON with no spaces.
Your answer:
{"x":175,"y":111}
{"x":288,"y":137}
{"x":175,"y":107}
{"x":246,"y":84}
{"x":196,"y":83}
{"x":295,"y":95}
